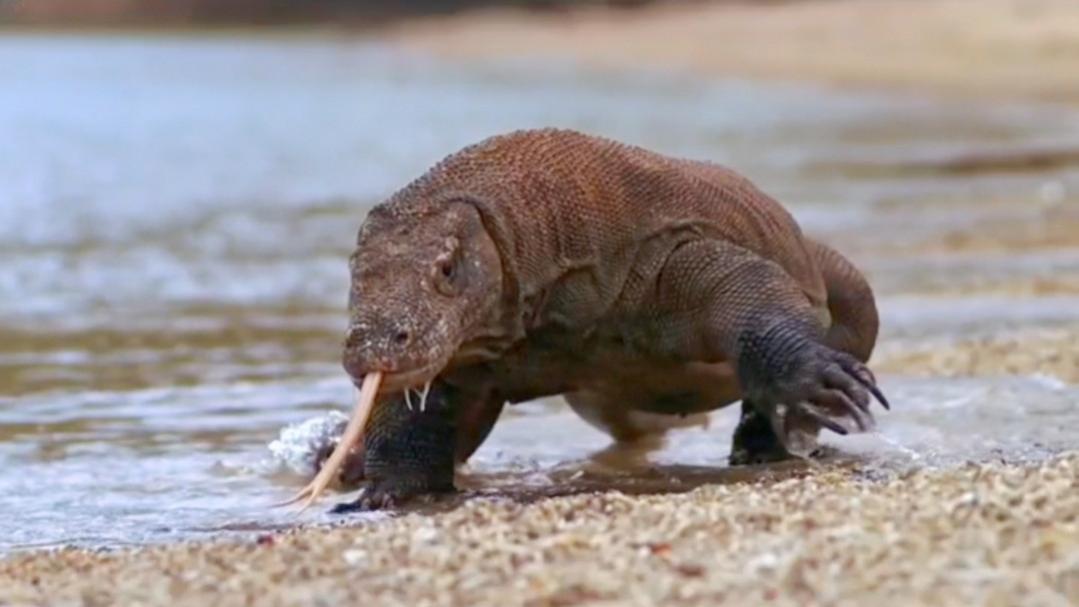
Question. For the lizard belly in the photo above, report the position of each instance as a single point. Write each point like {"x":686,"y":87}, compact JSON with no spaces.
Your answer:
{"x":636,"y":401}
{"x":621,"y":376}
{"x":664,"y":387}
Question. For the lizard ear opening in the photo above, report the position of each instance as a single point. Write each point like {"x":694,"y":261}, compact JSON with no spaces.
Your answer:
{"x":446,"y":275}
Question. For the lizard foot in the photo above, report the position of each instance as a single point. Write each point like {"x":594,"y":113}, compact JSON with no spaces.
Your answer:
{"x":818,"y":387}
{"x":388,"y":494}
{"x":408,"y":454}
{"x":755,"y":442}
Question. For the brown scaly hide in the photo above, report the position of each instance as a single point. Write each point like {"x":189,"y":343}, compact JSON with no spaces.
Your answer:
{"x":575,"y":215}
{"x":641,"y":287}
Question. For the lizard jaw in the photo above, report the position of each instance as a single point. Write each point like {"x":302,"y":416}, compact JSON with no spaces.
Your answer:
{"x":399,"y":381}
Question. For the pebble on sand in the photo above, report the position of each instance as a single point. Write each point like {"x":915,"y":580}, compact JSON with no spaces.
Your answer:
{"x":989,"y":534}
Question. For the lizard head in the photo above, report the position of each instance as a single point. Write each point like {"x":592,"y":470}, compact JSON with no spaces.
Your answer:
{"x":421,"y":285}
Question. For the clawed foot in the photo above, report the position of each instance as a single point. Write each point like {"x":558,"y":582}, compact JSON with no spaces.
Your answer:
{"x":390,"y":494}
{"x":823,"y":387}
{"x":755,"y":441}
{"x":745,"y":457}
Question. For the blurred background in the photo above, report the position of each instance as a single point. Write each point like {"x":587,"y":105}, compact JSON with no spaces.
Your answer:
{"x":260,"y":12}
{"x":181,"y":182}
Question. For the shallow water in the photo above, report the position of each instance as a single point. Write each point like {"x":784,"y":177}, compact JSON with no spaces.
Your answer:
{"x":176,"y":213}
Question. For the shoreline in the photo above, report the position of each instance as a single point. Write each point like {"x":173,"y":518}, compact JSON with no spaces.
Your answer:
{"x":987,"y":534}
{"x":997,"y":50}
{"x":1005,"y":49}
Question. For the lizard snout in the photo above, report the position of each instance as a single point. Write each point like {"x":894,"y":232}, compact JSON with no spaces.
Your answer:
{"x":400,"y":336}
{"x":386,"y":349}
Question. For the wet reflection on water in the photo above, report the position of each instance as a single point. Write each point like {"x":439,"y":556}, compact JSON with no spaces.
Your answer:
{"x":176,"y":215}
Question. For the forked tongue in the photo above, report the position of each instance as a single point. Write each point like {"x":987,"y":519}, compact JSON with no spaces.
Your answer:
{"x":353,"y":433}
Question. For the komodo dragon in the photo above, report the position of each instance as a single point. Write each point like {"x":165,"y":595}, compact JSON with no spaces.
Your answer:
{"x":551,"y":262}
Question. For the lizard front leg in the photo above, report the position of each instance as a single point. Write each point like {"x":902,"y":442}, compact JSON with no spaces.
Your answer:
{"x":408,"y":451}
{"x":412,"y":445}
{"x":718,"y":301}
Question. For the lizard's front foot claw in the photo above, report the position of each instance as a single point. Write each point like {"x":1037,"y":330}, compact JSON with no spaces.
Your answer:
{"x":823,"y":386}
{"x":389,"y":494}
{"x":368,"y":501}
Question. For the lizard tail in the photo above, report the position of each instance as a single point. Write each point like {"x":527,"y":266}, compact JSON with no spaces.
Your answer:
{"x":853,"y":309}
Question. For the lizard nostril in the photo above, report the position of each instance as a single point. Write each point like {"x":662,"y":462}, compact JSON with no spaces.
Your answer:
{"x":401,"y":338}
{"x":352,"y":338}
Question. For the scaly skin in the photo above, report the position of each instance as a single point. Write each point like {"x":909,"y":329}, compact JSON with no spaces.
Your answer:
{"x":551,"y":262}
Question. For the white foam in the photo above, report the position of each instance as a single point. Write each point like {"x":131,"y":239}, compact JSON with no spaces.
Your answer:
{"x":297,"y":445}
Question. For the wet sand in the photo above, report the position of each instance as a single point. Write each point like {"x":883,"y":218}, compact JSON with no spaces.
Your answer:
{"x":993,"y":534}
{"x":1004,"y":48}
{"x":989,"y":534}
{"x":1051,"y":352}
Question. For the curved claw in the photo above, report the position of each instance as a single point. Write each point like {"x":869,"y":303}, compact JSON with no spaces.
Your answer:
{"x":836,"y":400}
{"x":839,"y":378}
{"x":367,"y":501}
{"x":824,"y":420}
{"x":868,"y":380}
{"x":877,"y":394}
{"x":830,"y":386}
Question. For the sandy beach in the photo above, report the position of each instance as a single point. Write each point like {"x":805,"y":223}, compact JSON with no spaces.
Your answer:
{"x":1003,"y":48}
{"x":990,"y":533}
{"x":994,"y":534}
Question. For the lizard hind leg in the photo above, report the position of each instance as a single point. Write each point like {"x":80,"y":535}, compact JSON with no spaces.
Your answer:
{"x":854,"y":325}
{"x":626,"y":424}
{"x":726,"y":302}
{"x":755,"y":442}
{"x":636,"y":433}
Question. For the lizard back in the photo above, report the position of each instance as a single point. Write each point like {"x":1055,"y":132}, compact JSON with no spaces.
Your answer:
{"x":583,"y":221}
